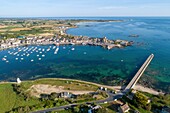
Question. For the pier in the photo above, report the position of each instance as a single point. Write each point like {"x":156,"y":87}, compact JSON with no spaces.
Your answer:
{"x":137,"y":76}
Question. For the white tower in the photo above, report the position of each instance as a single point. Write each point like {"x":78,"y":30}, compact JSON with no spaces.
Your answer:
{"x":18,"y":80}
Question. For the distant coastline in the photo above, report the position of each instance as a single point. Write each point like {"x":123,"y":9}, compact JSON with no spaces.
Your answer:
{"x":62,"y":38}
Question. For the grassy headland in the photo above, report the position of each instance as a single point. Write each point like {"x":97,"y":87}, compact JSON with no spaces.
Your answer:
{"x":20,"y":98}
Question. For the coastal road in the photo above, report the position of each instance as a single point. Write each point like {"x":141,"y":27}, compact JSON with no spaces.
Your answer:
{"x":110,"y":98}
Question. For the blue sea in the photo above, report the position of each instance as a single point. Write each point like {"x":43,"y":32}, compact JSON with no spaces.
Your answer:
{"x":96,"y":64}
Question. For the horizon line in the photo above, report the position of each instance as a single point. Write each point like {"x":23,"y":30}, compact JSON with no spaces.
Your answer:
{"x":71,"y":16}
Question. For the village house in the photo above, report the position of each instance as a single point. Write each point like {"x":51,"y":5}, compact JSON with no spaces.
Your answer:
{"x":16,"y":43}
{"x":124,"y":43}
{"x":96,"y":107}
{"x":12,"y":39}
{"x":40,"y":40}
{"x":3,"y":46}
{"x":31,"y":37}
{"x":93,"y":108}
{"x":124,"y":108}
{"x":65,"y":95}
{"x":104,"y":40}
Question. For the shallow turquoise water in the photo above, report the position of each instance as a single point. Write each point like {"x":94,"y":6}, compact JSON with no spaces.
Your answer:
{"x":97,"y":64}
{"x":154,"y":38}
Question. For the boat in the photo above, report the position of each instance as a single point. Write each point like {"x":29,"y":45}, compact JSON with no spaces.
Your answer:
{"x":54,"y":47}
{"x":56,"y":51}
{"x":16,"y":58}
{"x":48,"y":49}
{"x":4,"y":59}
{"x":39,"y":58}
{"x":15,"y":53}
{"x":72,"y":49}
{"x":32,"y":60}
{"x":43,"y":55}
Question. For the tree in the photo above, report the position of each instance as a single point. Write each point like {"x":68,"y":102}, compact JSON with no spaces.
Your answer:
{"x":101,"y":110}
{"x":76,"y":109}
{"x":148,"y":107}
{"x":140,"y":100}
{"x":53,"y":96}
{"x":20,"y":110}
{"x":27,"y":109}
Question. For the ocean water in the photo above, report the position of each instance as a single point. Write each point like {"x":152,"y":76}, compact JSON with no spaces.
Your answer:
{"x":91,"y":63}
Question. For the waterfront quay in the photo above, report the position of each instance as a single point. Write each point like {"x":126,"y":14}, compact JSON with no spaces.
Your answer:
{"x":63,"y":39}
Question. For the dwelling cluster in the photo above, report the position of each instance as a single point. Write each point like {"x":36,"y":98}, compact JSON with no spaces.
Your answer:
{"x":63,"y":40}
{"x":58,"y":95}
{"x":103,"y":42}
{"x":109,"y":44}
{"x":29,"y":40}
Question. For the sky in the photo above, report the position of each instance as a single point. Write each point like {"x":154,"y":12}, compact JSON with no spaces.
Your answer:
{"x":75,"y":8}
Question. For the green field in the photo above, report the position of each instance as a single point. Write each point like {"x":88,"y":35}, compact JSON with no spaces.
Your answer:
{"x":9,"y":99}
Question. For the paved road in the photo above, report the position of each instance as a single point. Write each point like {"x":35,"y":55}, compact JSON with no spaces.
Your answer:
{"x":110,"y":98}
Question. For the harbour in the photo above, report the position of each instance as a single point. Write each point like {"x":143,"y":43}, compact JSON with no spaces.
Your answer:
{"x":84,"y":61}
